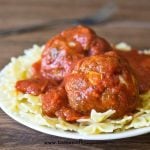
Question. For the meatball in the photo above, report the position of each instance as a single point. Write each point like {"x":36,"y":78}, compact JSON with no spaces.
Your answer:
{"x":58,"y":57}
{"x":88,"y":39}
{"x":65,"y":49}
{"x":55,"y":104}
{"x":102,"y":82}
{"x":80,"y":34}
{"x":98,"y":46}
{"x":53,"y":100}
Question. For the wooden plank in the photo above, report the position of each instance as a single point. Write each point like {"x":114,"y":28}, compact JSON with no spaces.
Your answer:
{"x":131,"y":24}
{"x":17,"y":13}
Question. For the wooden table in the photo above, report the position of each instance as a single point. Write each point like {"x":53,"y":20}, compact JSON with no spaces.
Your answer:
{"x":131,"y":24}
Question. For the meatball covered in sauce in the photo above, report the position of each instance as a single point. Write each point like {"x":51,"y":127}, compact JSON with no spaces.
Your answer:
{"x":53,"y":100}
{"x":57,"y":58}
{"x":65,"y":49}
{"x":55,"y":103}
{"x":102,"y":82}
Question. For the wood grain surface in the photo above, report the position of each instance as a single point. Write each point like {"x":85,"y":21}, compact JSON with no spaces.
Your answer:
{"x":131,"y":24}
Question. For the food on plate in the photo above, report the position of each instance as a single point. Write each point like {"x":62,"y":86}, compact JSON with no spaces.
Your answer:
{"x":102,"y":82}
{"x":58,"y":59}
{"x":78,"y":81}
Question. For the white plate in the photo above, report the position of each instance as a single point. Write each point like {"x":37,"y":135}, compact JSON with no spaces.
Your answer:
{"x":74,"y":135}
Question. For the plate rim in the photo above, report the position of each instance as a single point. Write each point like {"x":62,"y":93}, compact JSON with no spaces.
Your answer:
{"x":75,"y":135}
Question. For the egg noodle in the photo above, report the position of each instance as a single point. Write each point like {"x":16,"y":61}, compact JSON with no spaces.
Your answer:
{"x":28,"y":107}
